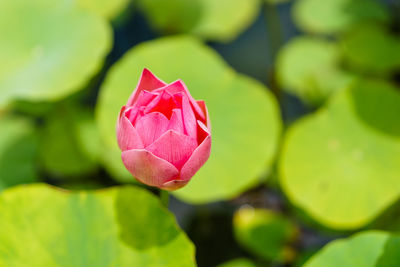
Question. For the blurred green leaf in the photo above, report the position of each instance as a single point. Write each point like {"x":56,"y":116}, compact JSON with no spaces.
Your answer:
{"x":111,"y":160}
{"x":221,"y":20}
{"x":51,"y":50}
{"x":87,"y":134}
{"x":126,"y":226}
{"x":309,"y":68}
{"x":18,"y":150}
{"x":108,"y":9}
{"x":366,"y":249}
{"x":69,"y":142}
{"x":36,"y":109}
{"x":244,"y":115}
{"x":241,"y":262}
{"x":342,"y":164}
{"x":81,"y":185}
{"x":372,"y":49}
{"x":276,"y":1}
{"x":334,"y":16}
{"x":265,"y":233}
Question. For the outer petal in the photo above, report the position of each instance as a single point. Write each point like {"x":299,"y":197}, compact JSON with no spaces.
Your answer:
{"x":198,"y":158}
{"x":173,"y":147}
{"x":147,"y":168}
{"x":149,"y":82}
{"x":151,"y":126}
{"x":127,"y":136}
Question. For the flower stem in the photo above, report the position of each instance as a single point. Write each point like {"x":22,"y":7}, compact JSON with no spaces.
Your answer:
{"x":276,"y":40}
{"x":164,"y":197}
{"x":274,"y":28}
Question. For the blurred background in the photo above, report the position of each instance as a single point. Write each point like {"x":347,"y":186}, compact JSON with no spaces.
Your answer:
{"x":303,"y":97}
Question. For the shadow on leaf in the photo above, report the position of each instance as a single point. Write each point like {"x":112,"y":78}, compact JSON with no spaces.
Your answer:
{"x":142,"y":223}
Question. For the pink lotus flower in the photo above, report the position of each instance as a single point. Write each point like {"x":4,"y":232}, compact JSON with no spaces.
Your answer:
{"x":164,"y":134}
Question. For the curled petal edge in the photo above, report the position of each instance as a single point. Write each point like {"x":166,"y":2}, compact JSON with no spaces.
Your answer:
{"x":203,"y":106}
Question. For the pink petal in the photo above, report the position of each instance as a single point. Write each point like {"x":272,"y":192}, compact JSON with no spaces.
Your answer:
{"x":145,"y":97}
{"x":121,"y":113}
{"x":127,"y":136}
{"x":174,"y":88}
{"x":147,"y":168}
{"x":180,"y":87}
{"x":189,"y":119}
{"x":173,"y":185}
{"x":176,"y":122}
{"x":148,"y":81}
{"x":151,"y":126}
{"x":132,"y":114}
{"x":173,"y":147}
{"x":197,"y":159}
{"x":163,"y":103}
{"x":202,"y":132}
{"x":203,"y":107}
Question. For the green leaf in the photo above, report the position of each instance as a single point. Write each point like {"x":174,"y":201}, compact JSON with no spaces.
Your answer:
{"x":341,"y":164}
{"x":18,"y":149}
{"x":335,"y":16}
{"x":244,"y":115}
{"x":126,"y":226}
{"x":111,"y":160}
{"x":240,"y":262}
{"x":367,"y":249}
{"x":208,"y":19}
{"x":372,"y":49}
{"x":265,"y":233}
{"x":71,"y":146}
{"x":276,"y":1}
{"x":108,"y":9}
{"x":44,"y":60}
{"x":309,"y":68}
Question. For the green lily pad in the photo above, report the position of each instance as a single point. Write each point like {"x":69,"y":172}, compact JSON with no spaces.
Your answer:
{"x":208,"y":19}
{"x":126,"y":226}
{"x":241,"y":262}
{"x":18,"y":149}
{"x":108,"y":9}
{"x":276,"y":1}
{"x":367,"y":249}
{"x":342,"y":164}
{"x":309,"y":68}
{"x":69,"y":146}
{"x":265,"y":233}
{"x":52,"y":49}
{"x":372,"y":49}
{"x":334,"y":16}
{"x":111,"y":160}
{"x":244,"y":115}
